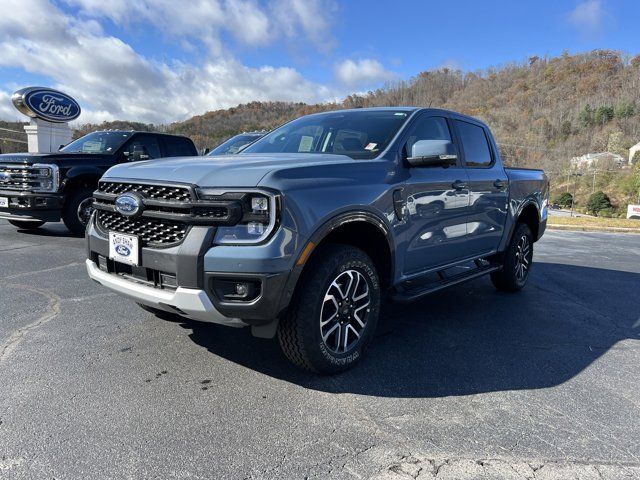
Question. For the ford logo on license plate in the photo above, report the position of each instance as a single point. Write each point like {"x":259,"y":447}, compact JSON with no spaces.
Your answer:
{"x":123,"y":250}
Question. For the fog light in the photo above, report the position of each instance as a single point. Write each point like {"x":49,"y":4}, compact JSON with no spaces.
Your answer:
{"x":230,"y":290}
{"x":242,"y":290}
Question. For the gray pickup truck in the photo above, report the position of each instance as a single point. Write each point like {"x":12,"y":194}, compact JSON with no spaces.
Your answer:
{"x":306,"y":232}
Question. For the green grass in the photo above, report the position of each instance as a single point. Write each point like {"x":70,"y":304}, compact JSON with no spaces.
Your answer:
{"x":593,"y":222}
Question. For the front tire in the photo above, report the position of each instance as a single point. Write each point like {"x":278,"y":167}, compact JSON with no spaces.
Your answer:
{"x":334,"y":312}
{"x":26,"y":225}
{"x":516,"y":262}
{"x":77,"y":211}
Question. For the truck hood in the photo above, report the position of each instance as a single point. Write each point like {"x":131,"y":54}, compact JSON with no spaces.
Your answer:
{"x":244,"y":170}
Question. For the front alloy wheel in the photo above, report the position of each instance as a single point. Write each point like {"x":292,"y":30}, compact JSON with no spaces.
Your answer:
{"x":344,"y":313}
{"x":334,"y":311}
{"x":85,"y":209}
{"x":77,"y":210}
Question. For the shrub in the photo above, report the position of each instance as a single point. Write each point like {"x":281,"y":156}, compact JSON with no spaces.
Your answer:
{"x":585,"y":117}
{"x":598,"y":202}
{"x":565,"y":199}
{"x":603,"y":115}
{"x":624,"y":110}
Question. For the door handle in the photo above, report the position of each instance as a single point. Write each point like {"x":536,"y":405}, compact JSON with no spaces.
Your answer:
{"x":499,"y":184}
{"x":459,"y":185}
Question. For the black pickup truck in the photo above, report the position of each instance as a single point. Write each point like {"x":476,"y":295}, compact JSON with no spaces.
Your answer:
{"x":47,"y":187}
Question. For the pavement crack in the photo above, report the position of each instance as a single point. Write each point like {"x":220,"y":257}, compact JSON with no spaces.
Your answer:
{"x":46,"y":270}
{"x":52,"y":310}
{"x":20,"y":248}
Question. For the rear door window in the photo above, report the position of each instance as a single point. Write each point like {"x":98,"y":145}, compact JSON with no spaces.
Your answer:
{"x":477,"y":152}
{"x":177,"y":147}
{"x":150,"y":144}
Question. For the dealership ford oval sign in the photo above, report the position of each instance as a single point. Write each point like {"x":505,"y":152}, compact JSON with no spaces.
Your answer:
{"x":46,"y":104}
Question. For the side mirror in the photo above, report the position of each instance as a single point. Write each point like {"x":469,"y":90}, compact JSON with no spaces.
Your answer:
{"x":61,"y":146}
{"x":432,"y":153}
{"x":206,"y":151}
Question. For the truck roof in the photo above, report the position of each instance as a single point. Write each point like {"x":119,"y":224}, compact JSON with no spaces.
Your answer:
{"x":133,"y":132}
{"x":405,"y":109}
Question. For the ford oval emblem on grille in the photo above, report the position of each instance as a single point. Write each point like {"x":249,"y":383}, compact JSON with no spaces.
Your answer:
{"x":4,"y":177}
{"x":128,"y":205}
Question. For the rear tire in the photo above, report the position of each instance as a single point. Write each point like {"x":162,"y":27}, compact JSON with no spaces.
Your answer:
{"x":26,"y":225}
{"x":77,"y":210}
{"x":333,"y":315}
{"x":516,"y":261}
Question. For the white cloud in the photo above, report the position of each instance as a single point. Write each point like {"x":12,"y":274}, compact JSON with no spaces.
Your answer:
{"x":205,"y":20}
{"x":306,"y":19}
{"x":588,"y":17}
{"x":113,"y":81}
{"x":7,"y":110}
{"x":362,"y":73}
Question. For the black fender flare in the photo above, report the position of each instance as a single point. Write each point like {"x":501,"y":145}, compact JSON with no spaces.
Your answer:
{"x":83,"y":171}
{"x":320,"y":233}
{"x":514,"y":220}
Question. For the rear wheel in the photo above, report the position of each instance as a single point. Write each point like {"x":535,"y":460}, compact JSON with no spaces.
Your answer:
{"x":333,"y":315}
{"x":77,"y":211}
{"x":26,"y":225}
{"x":517,"y":261}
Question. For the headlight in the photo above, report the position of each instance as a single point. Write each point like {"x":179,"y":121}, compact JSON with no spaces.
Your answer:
{"x":259,"y":216}
{"x":46,"y":177}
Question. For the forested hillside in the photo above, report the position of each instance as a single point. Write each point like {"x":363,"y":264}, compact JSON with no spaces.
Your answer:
{"x":12,"y":137}
{"x":543,"y":112}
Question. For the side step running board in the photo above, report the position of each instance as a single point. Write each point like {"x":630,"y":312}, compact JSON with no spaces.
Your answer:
{"x":417,"y":292}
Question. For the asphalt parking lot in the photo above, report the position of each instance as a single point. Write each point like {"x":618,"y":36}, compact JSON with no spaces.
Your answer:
{"x":469,"y":383}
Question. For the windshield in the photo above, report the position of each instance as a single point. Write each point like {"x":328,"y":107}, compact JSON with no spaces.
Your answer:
{"x":235,"y":144}
{"x":358,"y":134}
{"x":98,"y":142}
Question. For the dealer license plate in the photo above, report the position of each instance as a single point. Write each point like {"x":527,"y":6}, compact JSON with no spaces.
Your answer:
{"x":124,"y":248}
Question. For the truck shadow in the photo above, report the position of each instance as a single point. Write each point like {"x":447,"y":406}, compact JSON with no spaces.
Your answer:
{"x":48,"y":230}
{"x":470,"y":339}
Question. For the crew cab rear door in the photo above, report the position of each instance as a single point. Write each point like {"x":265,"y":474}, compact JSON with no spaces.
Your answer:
{"x":488,"y":187}
{"x":436,"y":202}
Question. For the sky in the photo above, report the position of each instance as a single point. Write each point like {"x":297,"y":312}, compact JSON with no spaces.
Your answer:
{"x":159,"y":61}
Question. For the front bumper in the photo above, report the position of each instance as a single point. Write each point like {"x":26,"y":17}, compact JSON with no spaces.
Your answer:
{"x":192,"y":291}
{"x":190,"y":302}
{"x":27,"y":206}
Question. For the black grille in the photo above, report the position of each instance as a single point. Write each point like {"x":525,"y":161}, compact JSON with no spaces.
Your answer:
{"x":150,"y":230}
{"x":181,"y":194}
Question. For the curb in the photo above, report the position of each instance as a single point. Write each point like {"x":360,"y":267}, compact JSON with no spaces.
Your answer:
{"x":584,"y":228}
